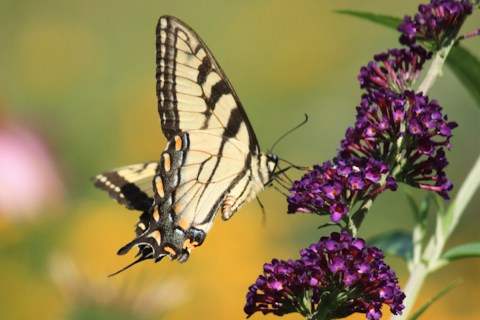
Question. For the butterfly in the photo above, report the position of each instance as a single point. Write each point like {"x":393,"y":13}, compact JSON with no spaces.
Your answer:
{"x":212,"y":162}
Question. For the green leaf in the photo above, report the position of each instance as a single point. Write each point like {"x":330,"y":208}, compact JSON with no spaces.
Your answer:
{"x":397,"y":243}
{"x":467,"y":250}
{"x":434,"y":299}
{"x":467,"y":69}
{"x":413,"y":205}
{"x":387,"y":21}
{"x":463,"y":64}
{"x":420,"y":211}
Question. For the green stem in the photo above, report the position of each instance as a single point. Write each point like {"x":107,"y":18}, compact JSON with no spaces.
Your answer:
{"x":432,"y":254}
{"x":357,"y":218}
{"x":465,"y":194}
{"x":449,"y":221}
{"x":435,"y":69}
{"x":412,"y":289}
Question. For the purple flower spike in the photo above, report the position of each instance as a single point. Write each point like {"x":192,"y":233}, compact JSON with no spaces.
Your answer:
{"x":435,"y":24}
{"x":334,"y":278}
{"x":396,"y":70}
{"x":331,"y":189}
{"x":407,"y":120}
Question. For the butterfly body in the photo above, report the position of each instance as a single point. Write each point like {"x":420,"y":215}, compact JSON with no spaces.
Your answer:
{"x":212,"y":161}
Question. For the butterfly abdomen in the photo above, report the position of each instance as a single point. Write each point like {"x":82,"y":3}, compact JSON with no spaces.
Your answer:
{"x":257,"y":177}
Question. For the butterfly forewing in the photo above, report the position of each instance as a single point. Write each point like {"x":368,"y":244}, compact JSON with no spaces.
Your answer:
{"x":189,"y":80}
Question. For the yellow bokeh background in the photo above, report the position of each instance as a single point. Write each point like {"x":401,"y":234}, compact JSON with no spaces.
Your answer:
{"x":82,"y":74}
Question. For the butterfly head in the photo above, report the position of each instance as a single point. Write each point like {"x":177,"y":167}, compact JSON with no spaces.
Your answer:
{"x":268,"y":167}
{"x":272,"y":161}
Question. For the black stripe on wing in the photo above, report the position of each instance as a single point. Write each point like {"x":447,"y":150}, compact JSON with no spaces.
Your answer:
{"x":166,"y":91}
{"x":130,"y":186}
{"x":123,"y":192}
{"x":179,"y":47}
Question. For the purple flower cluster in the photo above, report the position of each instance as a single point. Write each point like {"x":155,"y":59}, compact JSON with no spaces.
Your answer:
{"x":334,"y":278}
{"x":435,"y":24}
{"x":396,"y":137}
{"x":330,"y":188}
{"x":406,"y":131}
{"x":397,"y":70}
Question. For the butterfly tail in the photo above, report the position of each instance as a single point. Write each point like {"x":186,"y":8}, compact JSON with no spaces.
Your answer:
{"x":140,"y":259}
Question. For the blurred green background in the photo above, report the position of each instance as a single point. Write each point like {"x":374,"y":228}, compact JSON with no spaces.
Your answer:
{"x":80,"y":77}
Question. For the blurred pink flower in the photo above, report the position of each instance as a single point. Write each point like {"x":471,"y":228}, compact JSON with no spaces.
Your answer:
{"x":29,"y":180}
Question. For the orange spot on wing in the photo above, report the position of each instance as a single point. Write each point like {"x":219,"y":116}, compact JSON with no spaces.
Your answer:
{"x":178,"y":208}
{"x":187,"y":244}
{"x":156,"y":235}
{"x":167,"y":162}
{"x":178,"y":143}
{"x":159,"y":186}
{"x":169,"y":250}
{"x":184,"y":224}
{"x":156,"y":215}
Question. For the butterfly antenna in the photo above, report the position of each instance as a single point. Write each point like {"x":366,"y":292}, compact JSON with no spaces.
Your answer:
{"x":293,"y":165}
{"x":289,"y":131}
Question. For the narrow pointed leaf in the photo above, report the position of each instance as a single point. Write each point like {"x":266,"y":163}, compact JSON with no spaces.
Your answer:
{"x":397,"y":243}
{"x":385,"y":20}
{"x":467,"y":69}
{"x":463,"y":64}
{"x":467,"y":250}
{"x":413,"y":205}
{"x":423,"y":208}
{"x":434,"y":299}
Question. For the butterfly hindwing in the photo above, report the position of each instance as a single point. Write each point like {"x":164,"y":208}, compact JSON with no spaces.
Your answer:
{"x":130,"y":185}
{"x":191,"y":185}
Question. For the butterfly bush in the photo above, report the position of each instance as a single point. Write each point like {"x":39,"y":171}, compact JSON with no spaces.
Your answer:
{"x":334,"y":278}
{"x":399,"y":136}
{"x":435,"y":24}
{"x":395,"y":126}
